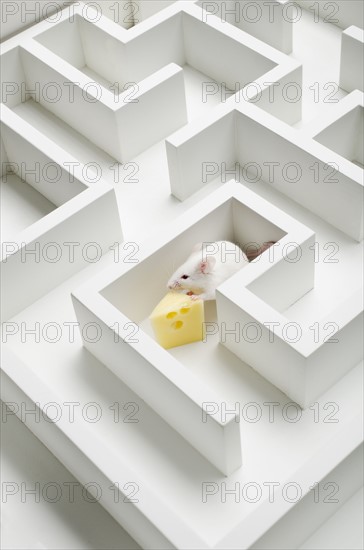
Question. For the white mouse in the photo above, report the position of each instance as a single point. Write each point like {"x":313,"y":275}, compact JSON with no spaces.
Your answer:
{"x":209,"y":264}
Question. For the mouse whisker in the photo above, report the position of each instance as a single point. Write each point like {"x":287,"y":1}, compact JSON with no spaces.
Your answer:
{"x":169,"y":272}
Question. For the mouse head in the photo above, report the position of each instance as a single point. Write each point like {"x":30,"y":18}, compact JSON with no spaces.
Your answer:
{"x":193,"y":274}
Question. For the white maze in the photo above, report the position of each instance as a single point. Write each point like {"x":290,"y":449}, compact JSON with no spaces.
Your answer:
{"x":129,"y":134}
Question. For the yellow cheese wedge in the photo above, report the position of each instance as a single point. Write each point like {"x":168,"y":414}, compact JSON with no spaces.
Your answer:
{"x":178,"y":320}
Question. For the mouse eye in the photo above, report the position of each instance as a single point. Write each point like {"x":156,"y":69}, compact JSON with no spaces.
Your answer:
{"x":184,"y":276}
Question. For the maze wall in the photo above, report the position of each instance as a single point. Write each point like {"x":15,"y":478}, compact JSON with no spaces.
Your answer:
{"x":129,"y":132}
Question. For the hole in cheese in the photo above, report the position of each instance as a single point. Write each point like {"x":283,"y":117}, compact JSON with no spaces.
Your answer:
{"x":171,"y":314}
{"x":177,"y":320}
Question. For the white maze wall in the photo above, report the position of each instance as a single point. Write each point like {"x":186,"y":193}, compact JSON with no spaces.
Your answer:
{"x":129,"y":133}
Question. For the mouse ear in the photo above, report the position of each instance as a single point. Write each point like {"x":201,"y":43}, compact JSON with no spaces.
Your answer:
{"x":207,"y":265}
